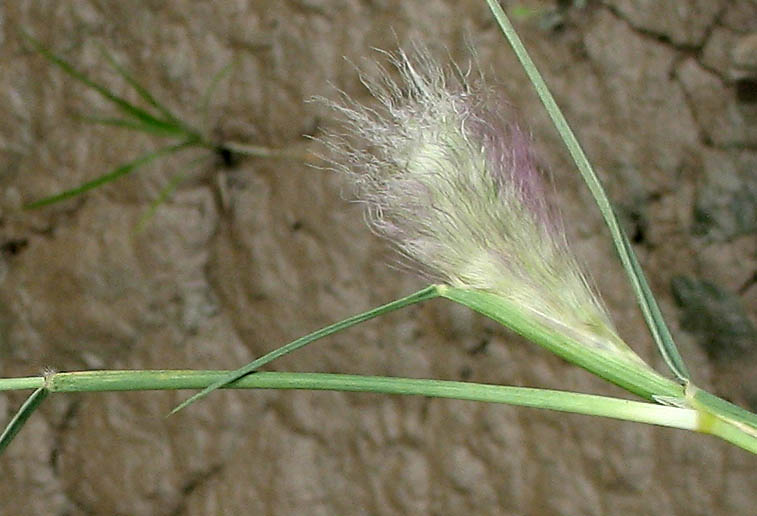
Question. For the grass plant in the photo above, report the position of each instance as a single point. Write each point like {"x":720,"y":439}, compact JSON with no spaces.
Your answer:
{"x":561,"y":316}
{"x":155,"y":119}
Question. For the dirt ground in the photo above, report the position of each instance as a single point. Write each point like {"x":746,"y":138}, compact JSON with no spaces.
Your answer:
{"x":249,"y":255}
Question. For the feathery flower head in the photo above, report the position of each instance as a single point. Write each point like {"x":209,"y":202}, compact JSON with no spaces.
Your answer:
{"x":449,"y":178}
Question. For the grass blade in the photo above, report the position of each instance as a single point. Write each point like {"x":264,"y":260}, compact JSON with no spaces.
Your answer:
{"x":121,"y":103}
{"x":650,"y":309}
{"x":422,"y":295}
{"x":134,"y":125}
{"x":165,"y":193}
{"x":647,"y":302}
{"x":110,"y":176}
{"x":214,"y":82}
{"x":23,"y":414}
{"x":142,"y":91}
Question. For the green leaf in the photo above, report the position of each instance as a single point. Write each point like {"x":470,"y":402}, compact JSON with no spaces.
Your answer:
{"x":429,"y":292}
{"x":23,"y":414}
{"x":647,"y":302}
{"x":134,"y":125}
{"x":110,"y":176}
{"x":165,"y":193}
{"x":121,"y":103}
{"x":217,"y":77}
{"x":653,"y":316}
{"x":142,"y":91}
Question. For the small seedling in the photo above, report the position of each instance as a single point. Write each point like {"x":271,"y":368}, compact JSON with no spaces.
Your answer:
{"x":155,"y":119}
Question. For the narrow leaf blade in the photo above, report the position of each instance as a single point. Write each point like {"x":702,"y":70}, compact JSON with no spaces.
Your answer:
{"x":653,"y":316}
{"x":429,"y":292}
{"x":24,"y":413}
{"x":121,"y":103}
{"x":165,"y":193}
{"x":141,"y":90}
{"x":214,"y":82}
{"x":134,"y":125}
{"x":110,"y":176}
{"x":649,"y":308}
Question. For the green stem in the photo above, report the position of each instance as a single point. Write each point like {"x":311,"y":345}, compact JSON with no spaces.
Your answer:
{"x":429,"y":292}
{"x":18,"y":384}
{"x":732,"y":432}
{"x":722,"y":418}
{"x":578,"y":403}
{"x":588,"y":404}
{"x":259,"y":151}
{"x":120,"y":171}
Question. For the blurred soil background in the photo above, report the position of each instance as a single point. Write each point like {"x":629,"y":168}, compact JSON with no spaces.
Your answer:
{"x":251,"y":253}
